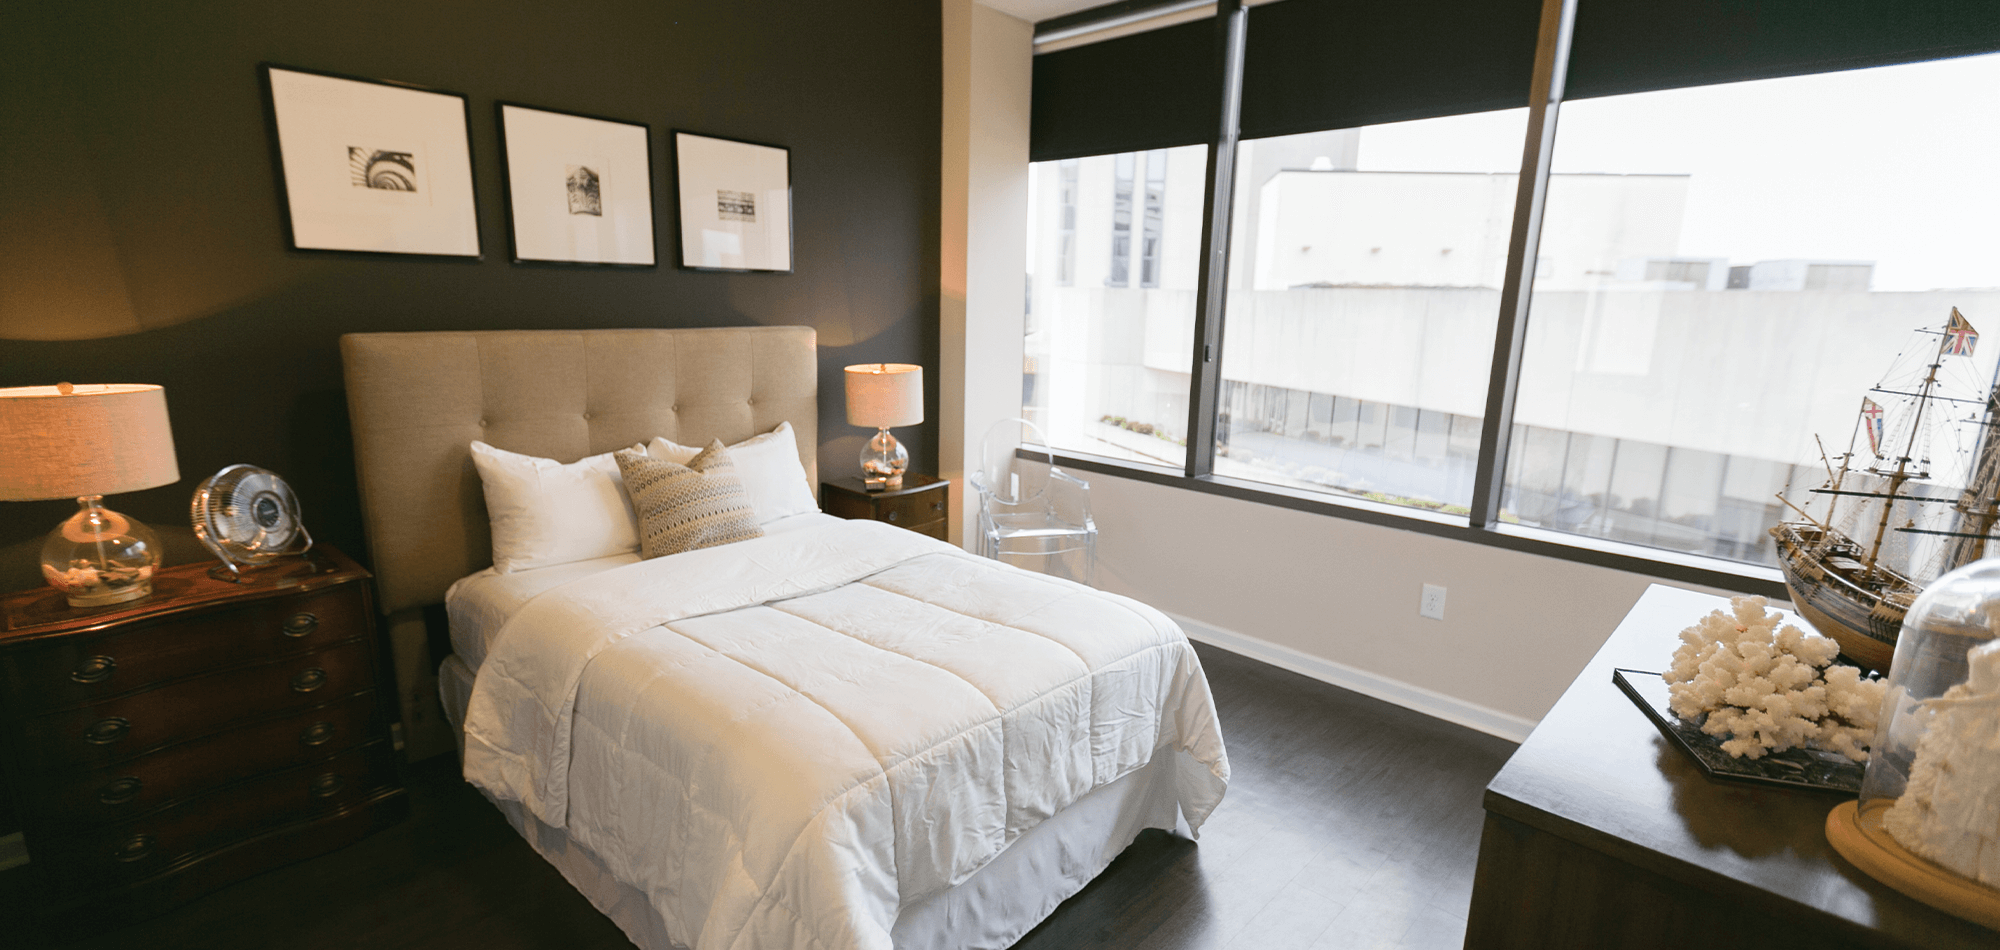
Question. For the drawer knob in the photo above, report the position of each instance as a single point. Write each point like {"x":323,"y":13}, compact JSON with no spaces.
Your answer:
{"x":96,"y":669}
{"x":326,"y":786}
{"x":120,"y":790}
{"x":309,"y":680}
{"x":937,"y":506}
{"x":301,"y":623}
{"x":139,"y":847}
{"x":319,"y":733}
{"x":107,"y":731}
{"x":894,"y":514}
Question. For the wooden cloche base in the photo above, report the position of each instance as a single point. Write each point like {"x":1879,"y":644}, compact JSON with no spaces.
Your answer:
{"x":1860,"y":838}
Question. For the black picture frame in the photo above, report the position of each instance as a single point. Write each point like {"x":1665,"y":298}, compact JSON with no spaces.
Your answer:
{"x":701,"y":161}
{"x":312,"y":202}
{"x":533,"y":234}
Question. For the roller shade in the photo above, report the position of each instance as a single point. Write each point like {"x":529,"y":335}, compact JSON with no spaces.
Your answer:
{"x":1626,"y":46}
{"x":1332,"y":64}
{"x":1149,"y":90}
{"x":1335,"y":64}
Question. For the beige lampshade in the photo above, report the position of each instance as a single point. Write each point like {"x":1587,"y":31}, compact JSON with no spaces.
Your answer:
{"x":91,"y":440}
{"x":885,"y":395}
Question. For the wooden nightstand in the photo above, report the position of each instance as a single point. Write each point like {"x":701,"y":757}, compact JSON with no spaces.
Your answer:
{"x":157,"y":750}
{"x":921,"y":505}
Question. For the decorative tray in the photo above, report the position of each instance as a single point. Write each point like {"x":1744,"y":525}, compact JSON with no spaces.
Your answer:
{"x":1792,"y":768}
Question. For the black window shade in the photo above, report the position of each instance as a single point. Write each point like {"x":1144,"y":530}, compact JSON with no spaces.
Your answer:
{"x":1331,"y":64}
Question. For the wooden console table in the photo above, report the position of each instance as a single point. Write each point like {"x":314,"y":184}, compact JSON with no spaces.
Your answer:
{"x":1600,"y":833}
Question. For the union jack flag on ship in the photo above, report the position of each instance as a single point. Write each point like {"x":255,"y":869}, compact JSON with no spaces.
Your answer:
{"x":1960,"y":337}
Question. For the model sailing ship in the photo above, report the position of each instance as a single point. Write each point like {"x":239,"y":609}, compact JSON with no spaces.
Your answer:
{"x":1888,"y":527}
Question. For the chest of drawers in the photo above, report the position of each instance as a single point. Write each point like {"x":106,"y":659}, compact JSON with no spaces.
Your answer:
{"x":921,"y":505}
{"x":156,"y":750}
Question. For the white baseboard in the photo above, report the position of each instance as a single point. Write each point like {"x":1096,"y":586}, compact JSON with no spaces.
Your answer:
{"x":1427,"y":701}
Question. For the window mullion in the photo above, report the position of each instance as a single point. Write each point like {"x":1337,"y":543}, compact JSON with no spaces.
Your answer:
{"x":1510,"y":335}
{"x":1205,"y":377}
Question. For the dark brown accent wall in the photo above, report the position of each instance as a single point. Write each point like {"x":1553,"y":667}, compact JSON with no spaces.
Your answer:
{"x":140,"y":234}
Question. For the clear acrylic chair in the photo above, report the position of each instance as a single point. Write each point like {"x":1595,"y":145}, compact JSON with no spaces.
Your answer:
{"x":1031,"y":513}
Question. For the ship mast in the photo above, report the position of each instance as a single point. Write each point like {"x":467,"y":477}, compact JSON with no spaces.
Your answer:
{"x":1901,"y":474}
{"x":1979,"y":504}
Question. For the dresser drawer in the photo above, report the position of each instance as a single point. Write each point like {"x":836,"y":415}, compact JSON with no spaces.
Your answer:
{"x":131,"y":850}
{"x":76,"y":800}
{"x":77,"y":670}
{"x":119,"y":728}
{"x":913,"y":511}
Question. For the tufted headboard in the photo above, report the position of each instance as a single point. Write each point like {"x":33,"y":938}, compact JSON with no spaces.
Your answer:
{"x":417,"y":400}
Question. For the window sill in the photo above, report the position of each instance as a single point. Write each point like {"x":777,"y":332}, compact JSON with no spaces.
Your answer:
{"x":1617,"y":555}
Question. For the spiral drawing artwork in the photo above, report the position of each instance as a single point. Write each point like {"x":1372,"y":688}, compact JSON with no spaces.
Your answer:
{"x":382,"y":169}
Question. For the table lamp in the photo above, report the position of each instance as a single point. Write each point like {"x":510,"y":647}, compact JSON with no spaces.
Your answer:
{"x":85,"y":442}
{"x":884,"y":395}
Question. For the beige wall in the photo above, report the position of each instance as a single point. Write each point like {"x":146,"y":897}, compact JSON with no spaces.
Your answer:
{"x":1337,"y":599}
{"x":988,"y":59}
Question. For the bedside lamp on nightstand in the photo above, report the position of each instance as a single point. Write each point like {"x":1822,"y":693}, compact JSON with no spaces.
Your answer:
{"x":85,"y":442}
{"x":884,"y":395}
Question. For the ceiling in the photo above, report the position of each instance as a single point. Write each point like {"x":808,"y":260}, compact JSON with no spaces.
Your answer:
{"x":1035,"y":11}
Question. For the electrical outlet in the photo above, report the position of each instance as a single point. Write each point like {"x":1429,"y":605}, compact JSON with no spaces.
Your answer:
{"x":1432,"y":604}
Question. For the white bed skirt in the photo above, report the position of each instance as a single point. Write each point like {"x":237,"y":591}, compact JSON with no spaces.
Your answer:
{"x":989,"y":911}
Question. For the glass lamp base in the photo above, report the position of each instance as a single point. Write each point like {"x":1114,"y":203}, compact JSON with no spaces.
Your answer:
{"x":100,"y":557}
{"x":883,"y":461}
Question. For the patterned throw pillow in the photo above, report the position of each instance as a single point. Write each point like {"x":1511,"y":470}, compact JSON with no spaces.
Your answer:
{"x":684,"y":507}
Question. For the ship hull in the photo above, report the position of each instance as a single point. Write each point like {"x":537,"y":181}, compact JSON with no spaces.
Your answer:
{"x":1865,"y":624}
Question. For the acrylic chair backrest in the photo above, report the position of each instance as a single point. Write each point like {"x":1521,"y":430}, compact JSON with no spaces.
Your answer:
{"x":1005,"y":475}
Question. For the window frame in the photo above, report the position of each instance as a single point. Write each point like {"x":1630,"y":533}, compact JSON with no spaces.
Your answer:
{"x":1483,"y":526}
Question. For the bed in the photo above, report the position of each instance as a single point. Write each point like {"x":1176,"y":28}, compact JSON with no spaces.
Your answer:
{"x":840,"y":734}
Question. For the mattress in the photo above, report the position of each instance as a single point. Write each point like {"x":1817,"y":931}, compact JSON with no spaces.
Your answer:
{"x":480,"y":604}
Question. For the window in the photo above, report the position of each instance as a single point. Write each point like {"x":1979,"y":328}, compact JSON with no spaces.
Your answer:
{"x":1723,"y":263}
{"x":1106,"y":361}
{"x":1665,"y":402}
{"x":1365,"y":271}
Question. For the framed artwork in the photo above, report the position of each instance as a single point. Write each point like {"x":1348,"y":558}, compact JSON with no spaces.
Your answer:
{"x":371,"y":166}
{"x":735,"y":204}
{"x":579,"y":187}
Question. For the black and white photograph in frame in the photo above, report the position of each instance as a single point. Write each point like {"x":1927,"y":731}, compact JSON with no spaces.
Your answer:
{"x":735,"y":204}
{"x":579,"y":188}
{"x":372,"y":166}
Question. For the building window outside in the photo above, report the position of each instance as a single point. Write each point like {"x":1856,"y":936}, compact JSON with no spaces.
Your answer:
{"x":1151,"y":225}
{"x":1065,"y":263}
{"x":1107,"y":361}
{"x":1121,"y":221}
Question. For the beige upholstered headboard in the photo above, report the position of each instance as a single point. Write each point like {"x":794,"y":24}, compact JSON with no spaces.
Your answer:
{"x":418,"y":400}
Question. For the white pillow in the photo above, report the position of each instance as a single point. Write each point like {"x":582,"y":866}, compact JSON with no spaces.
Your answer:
{"x":769,"y":466}
{"x":546,"y":513}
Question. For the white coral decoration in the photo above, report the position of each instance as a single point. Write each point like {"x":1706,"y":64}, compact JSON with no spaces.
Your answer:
{"x":1770,"y":688}
{"x":1950,"y":811}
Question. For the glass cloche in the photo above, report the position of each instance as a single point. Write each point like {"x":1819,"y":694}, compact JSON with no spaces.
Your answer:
{"x":1928,"y":820}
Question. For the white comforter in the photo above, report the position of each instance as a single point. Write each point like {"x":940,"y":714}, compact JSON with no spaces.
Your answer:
{"x":782,"y":741}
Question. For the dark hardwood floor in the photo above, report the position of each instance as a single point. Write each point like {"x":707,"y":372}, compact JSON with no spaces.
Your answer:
{"x":1349,"y":823}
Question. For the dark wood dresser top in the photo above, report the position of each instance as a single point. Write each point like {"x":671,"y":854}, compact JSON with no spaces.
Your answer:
{"x":43,"y":612}
{"x":1596,"y":772}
